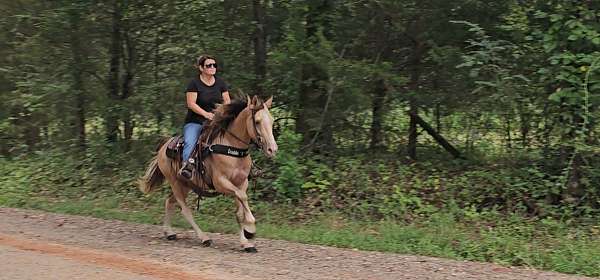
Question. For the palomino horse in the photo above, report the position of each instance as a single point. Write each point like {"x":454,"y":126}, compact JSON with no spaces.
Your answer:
{"x":234,"y":125}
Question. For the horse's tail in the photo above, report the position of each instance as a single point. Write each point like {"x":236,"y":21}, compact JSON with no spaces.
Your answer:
{"x":153,"y":177}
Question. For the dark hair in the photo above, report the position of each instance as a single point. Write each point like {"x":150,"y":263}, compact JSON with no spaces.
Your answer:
{"x":224,"y":116}
{"x":201,"y":59}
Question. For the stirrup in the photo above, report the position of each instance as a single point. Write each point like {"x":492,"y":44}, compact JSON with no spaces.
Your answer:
{"x":187,"y":170}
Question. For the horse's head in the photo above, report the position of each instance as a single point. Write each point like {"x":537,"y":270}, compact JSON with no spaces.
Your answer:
{"x":260,"y":125}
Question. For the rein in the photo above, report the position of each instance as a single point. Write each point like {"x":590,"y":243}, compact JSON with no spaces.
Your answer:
{"x":257,"y":141}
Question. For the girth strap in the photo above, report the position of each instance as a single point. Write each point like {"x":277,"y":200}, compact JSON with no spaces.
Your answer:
{"x":224,"y":150}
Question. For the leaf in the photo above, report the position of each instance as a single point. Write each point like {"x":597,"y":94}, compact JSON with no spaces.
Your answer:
{"x":520,"y":76}
{"x":549,"y":46}
{"x":540,"y":14}
{"x":556,"y":96}
{"x":555,"y":17}
{"x":489,"y":84}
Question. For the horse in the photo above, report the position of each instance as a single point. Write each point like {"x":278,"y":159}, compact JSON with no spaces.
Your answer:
{"x":235,"y":125}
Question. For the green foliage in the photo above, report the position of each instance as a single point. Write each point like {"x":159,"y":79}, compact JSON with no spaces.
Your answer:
{"x":289,"y":179}
{"x":458,"y":211}
{"x":14,"y":184}
{"x":513,"y":85}
{"x":478,"y":236}
{"x":362,"y":187}
{"x":561,"y":70}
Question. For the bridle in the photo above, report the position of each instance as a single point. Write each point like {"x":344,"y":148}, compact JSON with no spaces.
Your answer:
{"x":258,"y":139}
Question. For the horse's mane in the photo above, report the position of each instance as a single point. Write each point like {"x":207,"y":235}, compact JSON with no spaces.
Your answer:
{"x":223,"y":117}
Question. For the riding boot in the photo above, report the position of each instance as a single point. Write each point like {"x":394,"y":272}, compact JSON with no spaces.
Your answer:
{"x":187,"y":170}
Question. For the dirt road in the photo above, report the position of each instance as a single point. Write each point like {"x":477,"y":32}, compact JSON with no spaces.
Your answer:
{"x":40,"y":245}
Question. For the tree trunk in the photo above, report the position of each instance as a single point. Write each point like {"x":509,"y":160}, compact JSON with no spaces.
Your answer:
{"x":508,"y":134}
{"x":112,"y":112}
{"x":308,"y":100}
{"x":158,"y":112}
{"x":230,"y":13}
{"x":411,"y":149}
{"x":377,"y":103}
{"x":525,"y":126}
{"x":312,"y":94}
{"x":437,"y":137}
{"x":32,"y":132}
{"x":260,"y":47}
{"x":81,"y":120}
{"x":127,"y":87}
{"x":79,"y":91}
{"x":78,"y":86}
{"x":413,"y":85}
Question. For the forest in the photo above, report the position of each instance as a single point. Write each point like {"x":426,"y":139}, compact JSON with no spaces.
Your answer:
{"x":474,"y":114}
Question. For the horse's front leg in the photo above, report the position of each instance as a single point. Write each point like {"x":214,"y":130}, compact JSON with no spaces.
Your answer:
{"x":243,"y":213}
{"x":247,"y":227}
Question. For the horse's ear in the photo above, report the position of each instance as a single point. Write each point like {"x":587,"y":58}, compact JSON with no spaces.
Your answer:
{"x":269,"y":102}
{"x":254,"y":100}
{"x":248,"y":101}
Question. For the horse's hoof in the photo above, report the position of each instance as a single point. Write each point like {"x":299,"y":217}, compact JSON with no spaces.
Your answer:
{"x":172,"y":237}
{"x":248,"y":235}
{"x":250,"y":250}
{"x":207,"y":243}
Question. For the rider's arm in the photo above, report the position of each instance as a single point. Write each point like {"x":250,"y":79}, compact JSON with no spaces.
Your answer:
{"x":226,"y":98}
{"x":191,"y":103}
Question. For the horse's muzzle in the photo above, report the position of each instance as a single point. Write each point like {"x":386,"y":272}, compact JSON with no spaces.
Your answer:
{"x":270,"y":150}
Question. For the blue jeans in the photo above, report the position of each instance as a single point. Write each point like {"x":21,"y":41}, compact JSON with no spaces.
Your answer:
{"x":191,"y":132}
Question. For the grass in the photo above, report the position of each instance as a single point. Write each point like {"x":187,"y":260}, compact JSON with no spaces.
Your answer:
{"x":516,"y":242}
{"x":489,"y":237}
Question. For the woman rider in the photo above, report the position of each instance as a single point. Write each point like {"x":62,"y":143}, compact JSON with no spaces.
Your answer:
{"x":203,"y":93}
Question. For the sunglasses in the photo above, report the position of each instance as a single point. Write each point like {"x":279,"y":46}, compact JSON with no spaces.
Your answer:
{"x":211,"y":65}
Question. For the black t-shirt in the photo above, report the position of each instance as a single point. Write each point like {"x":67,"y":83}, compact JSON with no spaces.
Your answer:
{"x":208,"y":97}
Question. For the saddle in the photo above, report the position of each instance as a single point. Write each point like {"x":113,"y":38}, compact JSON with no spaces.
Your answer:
{"x":175,"y":147}
{"x":175,"y":151}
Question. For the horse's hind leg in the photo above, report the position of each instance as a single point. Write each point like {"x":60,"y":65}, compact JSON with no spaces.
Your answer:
{"x":180,"y":194}
{"x":170,"y":206}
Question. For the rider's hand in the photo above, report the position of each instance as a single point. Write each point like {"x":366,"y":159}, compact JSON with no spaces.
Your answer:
{"x":209,"y":116}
